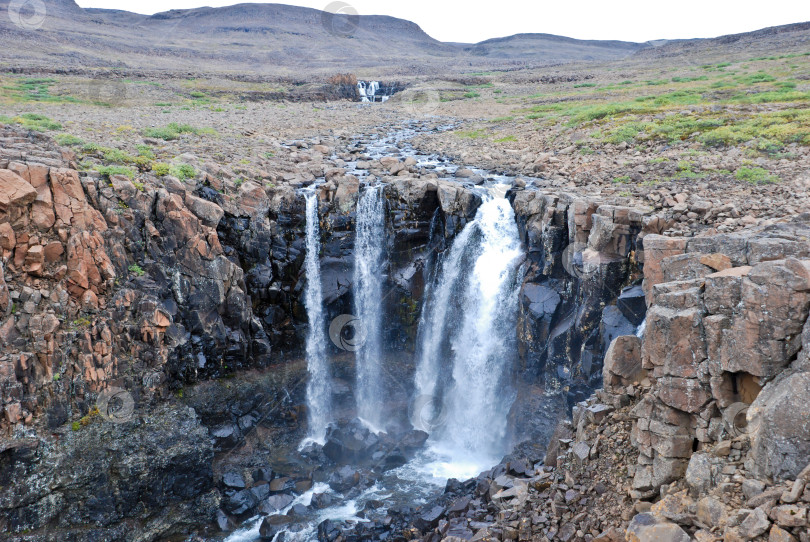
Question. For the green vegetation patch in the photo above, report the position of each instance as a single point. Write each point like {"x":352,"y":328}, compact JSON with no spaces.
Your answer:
{"x":174,"y":130}
{"x":69,"y":140}
{"x":471,"y":134}
{"x":32,"y":121}
{"x":109,"y":171}
{"x":183,"y":171}
{"x":756,"y":175}
{"x":34,"y":90}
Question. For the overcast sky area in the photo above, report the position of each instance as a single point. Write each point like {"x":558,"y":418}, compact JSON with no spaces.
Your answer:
{"x":473,"y":21}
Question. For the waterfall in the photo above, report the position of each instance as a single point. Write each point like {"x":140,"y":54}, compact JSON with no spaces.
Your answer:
{"x":319,"y":392}
{"x":369,"y":269}
{"x":432,"y":327}
{"x":369,"y":91}
{"x":470,"y":326}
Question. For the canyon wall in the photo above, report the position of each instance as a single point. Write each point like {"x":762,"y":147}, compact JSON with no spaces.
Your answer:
{"x":110,"y":285}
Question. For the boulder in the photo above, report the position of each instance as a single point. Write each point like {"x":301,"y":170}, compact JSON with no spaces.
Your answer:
{"x":774,"y":305}
{"x":15,"y":191}
{"x":633,"y":304}
{"x":208,"y":212}
{"x":780,"y":422}
{"x":274,"y":503}
{"x":777,"y":534}
{"x":347,"y":193}
{"x":646,"y":528}
{"x":350,"y":443}
{"x":622,"y":365}
{"x":754,"y":524}
{"x":272,"y":525}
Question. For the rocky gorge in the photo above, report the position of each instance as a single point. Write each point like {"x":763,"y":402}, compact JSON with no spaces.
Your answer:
{"x":188,"y":297}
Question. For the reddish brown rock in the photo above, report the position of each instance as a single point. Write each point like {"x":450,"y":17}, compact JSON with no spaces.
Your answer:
{"x":53,"y":251}
{"x":723,"y":289}
{"x":4,"y":297}
{"x":774,"y":305}
{"x":684,"y":394}
{"x":70,"y":203}
{"x":35,"y":260}
{"x":14,"y":191}
{"x":656,"y":248}
{"x":207,"y":211}
{"x":622,"y":365}
{"x":674,"y":343}
{"x":13,"y":412}
{"x":717,"y":261}
{"x":8,"y":239}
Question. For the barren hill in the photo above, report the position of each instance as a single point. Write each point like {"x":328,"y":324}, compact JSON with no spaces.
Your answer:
{"x":262,"y":38}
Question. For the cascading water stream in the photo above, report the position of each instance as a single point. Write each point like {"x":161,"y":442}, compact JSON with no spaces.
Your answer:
{"x":319,"y":389}
{"x":479,"y":399}
{"x":432,"y":332}
{"x":369,"y":269}
{"x":470,"y":322}
{"x":465,"y":352}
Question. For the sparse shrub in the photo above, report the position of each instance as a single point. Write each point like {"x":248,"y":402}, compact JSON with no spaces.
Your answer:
{"x":142,"y":163}
{"x":109,"y":171}
{"x":137,"y":270}
{"x":146,"y":151}
{"x":69,"y":140}
{"x":756,"y":175}
{"x":183,"y":171}
{"x":36,"y":122}
{"x":160,"y":169}
{"x":173,"y":131}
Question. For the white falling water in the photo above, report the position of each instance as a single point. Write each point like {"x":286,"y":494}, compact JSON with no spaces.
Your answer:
{"x":475,"y":307}
{"x":432,"y":328}
{"x":319,"y":390}
{"x":369,"y":268}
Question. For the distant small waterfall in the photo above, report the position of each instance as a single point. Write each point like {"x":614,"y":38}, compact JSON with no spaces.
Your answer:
{"x":372,"y":91}
{"x":319,"y":389}
{"x":470,"y":325}
{"x":369,"y":274}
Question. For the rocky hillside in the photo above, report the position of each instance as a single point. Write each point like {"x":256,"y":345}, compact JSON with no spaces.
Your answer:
{"x":547,"y":47}
{"x":263,"y":39}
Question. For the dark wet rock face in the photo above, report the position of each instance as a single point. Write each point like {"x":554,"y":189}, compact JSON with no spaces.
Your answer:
{"x":156,"y":473}
{"x":577,"y":295}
